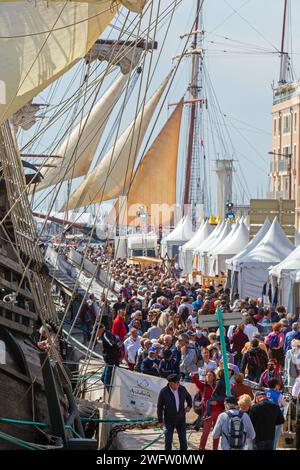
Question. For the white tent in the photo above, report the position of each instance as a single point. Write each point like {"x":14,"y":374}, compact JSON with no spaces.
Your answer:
{"x":214,"y":246}
{"x":232,"y":263}
{"x":202,"y":246}
{"x":250,"y":246}
{"x":234,"y":243}
{"x":182,"y":233}
{"x":253,"y":267}
{"x":282,"y":275}
{"x":297,"y":238}
{"x":203,"y":258}
{"x":186,"y":251}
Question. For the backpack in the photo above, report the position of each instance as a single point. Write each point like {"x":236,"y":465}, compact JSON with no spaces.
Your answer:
{"x":274,"y":341}
{"x":255,"y":361}
{"x":237,"y":436}
{"x":198,"y":405}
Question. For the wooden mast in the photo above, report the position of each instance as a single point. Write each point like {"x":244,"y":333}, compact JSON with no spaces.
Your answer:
{"x":194,"y":91}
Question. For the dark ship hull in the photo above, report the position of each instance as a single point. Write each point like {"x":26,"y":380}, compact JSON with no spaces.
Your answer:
{"x":33,"y":387}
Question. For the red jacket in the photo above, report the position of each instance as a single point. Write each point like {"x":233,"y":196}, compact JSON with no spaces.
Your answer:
{"x":208,"y":393}
{"x":119,"y":328}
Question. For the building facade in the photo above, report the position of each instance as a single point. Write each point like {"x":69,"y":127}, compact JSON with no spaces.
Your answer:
{"x":285,"y":169}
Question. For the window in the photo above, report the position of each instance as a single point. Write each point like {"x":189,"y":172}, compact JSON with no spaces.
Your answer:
{"x":275,"y":127}
{"x":286,"y":123}
{"x":294,"y":156}
{"x":295,"y":121}
{"x":279,"y":185}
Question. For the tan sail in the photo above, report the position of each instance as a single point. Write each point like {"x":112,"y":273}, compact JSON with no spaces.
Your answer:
{"x":111,"y":178}
{"x":79,"y":148}
{"x":154,"y":184}
{"x":40,"y":41}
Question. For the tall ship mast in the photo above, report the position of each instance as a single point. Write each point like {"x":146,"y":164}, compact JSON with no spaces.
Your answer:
{"x":195,"y":193}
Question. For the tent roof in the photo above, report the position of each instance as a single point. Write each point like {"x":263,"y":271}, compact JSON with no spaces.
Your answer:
{"x":291,"y":263}
{"x":200,"y":236}
{"x":182,"y":232}
{"x":214,"y":234}
{"x":236,"y":242}
{"x":273,"y":248}
{"x":219,"y":239}
{"x":252,"y":243}
{"x":225,"y":240}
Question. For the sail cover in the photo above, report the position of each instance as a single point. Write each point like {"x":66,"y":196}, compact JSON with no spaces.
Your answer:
{"x":154,"y":184}
{"x":111,"y":178}
{"x":78,"y":149}
{"x":40,"y":41}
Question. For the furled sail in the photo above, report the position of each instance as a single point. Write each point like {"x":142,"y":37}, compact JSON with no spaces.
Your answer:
{"x":154,"y":184}
{"x":111,"y":178}
{"x":40,"y":41}
{"x":79,"y":148}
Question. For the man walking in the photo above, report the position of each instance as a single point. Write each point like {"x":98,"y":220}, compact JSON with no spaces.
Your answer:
{"x":265,"y":416}
{"x":111,"y":353}
{"x":171,"y":411}
{"x":234,"y":427}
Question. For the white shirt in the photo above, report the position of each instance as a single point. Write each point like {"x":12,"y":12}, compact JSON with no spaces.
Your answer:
{"x":250,"y":330}
{"x":131,"y":347}
{"x":206,"y":365}
{"x":176,"y":396}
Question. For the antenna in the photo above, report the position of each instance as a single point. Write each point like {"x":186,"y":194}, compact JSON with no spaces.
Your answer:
{"x":284,"y":64}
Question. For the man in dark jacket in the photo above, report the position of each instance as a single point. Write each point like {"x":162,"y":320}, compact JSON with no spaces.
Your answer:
{"x":171,"y":411}
{"x":255,"y":360}
{"x":111,"y":352}
{"x":150,"y":364}
{"x":265,"y":416}
{"x":168,"y":364}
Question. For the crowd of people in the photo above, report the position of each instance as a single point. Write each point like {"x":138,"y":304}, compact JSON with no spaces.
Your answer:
{"x":154,"y":327}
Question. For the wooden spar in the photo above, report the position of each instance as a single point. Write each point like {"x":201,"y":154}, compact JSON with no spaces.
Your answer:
{"x":39,"y":155}
{"x":58,"y":220}
{"x":142,"y":44}
{"x":197,"y":100}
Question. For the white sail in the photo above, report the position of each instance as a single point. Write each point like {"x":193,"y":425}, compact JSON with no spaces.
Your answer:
{"x":40,"y":41}
{"x":133,"y":5}
{"x":78,"y":149}
{"x":111,"y":178}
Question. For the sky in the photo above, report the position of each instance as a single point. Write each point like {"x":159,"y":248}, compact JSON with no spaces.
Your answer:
{"x":241,"y":58}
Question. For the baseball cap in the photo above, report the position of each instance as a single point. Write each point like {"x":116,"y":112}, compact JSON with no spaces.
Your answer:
{"x":152,"y":349}
{"x":173,"y":378}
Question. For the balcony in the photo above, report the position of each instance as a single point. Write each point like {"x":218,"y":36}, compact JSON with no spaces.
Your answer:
{"x":280,"y":166}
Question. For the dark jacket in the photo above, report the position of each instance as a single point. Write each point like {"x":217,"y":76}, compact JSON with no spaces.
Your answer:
{"x":111,"y":352}
{"x":166,"y":405}
{"x":167,"y":367}
{"x":256,"y":360}
{"x":148,"y":366}
{"x":265,"y":416}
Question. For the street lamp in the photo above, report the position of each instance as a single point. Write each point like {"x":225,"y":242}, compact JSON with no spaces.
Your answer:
{"x":289,"y":156}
